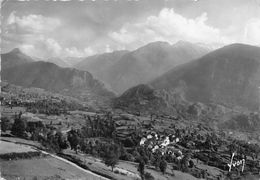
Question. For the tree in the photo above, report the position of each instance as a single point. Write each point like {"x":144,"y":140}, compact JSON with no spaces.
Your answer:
{"x":163,"y":165}
{"x":74,"y":140}
{"x":141,"y":168}
{"x":232,"y":148}
{"x":111,"y":155}
{"x":156,"y":160}
{"x":19,"y":127}
{"x":185,"y":162}
{"x":5,"y":124}
{"x":61,"y":140}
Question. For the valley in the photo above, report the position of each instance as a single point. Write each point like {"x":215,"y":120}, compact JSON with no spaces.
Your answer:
{"x":196,"y":120}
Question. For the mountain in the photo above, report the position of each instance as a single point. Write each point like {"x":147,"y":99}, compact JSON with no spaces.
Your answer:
{"x":99,"y":64}
{"x":58,"y":61}
{"x":122,"y":70}
{"x":14,"y":58}
{"x":72,"y":61}
{"x":49,"y":76}
{"x":229,"y":76}
{"x":61,"y":61}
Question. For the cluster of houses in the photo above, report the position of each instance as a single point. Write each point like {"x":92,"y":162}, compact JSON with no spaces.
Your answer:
{"x":162,"y":144}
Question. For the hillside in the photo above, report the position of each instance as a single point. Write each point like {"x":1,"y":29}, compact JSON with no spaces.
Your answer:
{"x":122,"y":70}
{"x":14,"y":58}
{"x":63,"y":61}
{"x":58,"y":61}
{"x":99,"y":62}
{"x":229,"y":76}
{"x":49,"y":76}
{"x":72,"y":61}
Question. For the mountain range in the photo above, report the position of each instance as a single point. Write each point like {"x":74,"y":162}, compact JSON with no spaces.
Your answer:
{"x":158,"y":74}
{"x":229,"y":76}
{"x":19,"y":69}
{"x":124,"y":69}
{"x":14,"y":58}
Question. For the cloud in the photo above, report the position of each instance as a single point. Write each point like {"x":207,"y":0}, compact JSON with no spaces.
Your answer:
{"x":32,"y":23}
{"x":32,"y":34}
{"x":168,"y":26}
{"x":41,"y":47}
{"x":74,"y":52}
{"x":108,"y":48}
{"x":48,"y":47}
{"x":252,"y":31}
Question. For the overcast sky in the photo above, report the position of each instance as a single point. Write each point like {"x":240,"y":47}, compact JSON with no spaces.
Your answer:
{"x":83,"y":28}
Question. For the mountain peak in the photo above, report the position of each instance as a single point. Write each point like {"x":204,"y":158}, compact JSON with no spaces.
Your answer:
{"x":234,"y":45}
{"x":182,"y":43}
{"x":228,"y":76}
{"x":14,"y":58}
{"x":16,"y":50}
{"x":157,"y":44}
{"x":238,"y":50}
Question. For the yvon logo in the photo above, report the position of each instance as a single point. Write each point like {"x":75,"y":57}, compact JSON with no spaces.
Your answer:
{"x":236,"y":163}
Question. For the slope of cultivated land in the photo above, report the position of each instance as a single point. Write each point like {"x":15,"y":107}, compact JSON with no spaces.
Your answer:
{"x":128,"y":170}
{"x":8,"y":112}
{"x":8,"y":147}
{"x":20,"y":141}
{"x":41,"y":167}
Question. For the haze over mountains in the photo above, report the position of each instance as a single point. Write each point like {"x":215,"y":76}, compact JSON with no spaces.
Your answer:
{"x":20,"y":69}
{"x":229,"y":76}
{"x":123,"y":69}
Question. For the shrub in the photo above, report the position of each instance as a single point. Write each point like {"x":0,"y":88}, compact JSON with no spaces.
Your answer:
{"x":163,"y":166}
{"x":127,"y":157}
{"x":116,"y":171}
{"x":148,"y":176}
{"x":5,"y":124}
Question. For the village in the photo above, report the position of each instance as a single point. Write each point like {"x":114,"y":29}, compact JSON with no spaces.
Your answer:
{"x":163,"y":143}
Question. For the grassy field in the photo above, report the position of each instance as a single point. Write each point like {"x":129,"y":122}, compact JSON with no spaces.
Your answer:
{"x":128,"y":170}
{"x":7,"y":111}
{"x":7,"y":147}
{"x":21,"y":141}
{"x":42,"y":168}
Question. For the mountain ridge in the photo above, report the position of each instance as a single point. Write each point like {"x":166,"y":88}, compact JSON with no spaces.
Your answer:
{"x":131,"y":68}
{"x":49,"y":76}
{"x":13,"y":58}
{"x":229,"y":76}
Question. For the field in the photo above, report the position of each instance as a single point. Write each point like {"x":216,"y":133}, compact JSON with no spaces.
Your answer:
{"x":21,"y":141}
{"x":7,"y":111}
{"x":128,"y":170}
{"x":47,"y":167}
{"x":7,"y":147}
{"x":42,"y":168}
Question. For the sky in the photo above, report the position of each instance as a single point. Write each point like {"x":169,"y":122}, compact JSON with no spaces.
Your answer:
{"x":80,"y":28}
